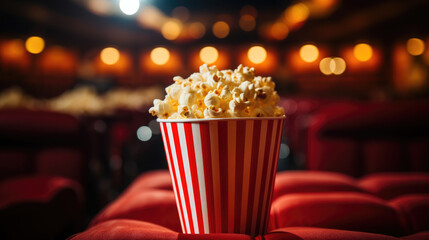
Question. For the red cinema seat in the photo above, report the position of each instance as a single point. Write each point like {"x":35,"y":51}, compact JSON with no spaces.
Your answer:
{"x":311,"y":233}
{"x":346,"y":211}
{"x":155,"y":206}
{"x":38,"y":207}
{"x":312,"y":181}
{"x":13,"y":163}
{"x":391,"y":185}
{"x":415,"y":211}
{"x":418,"y":236}
{"x":24,"y":123}
{"x":157,"y":179}
{"x":360,"y":139}
{"x":123,"y":229}
{"x":65,"y":162}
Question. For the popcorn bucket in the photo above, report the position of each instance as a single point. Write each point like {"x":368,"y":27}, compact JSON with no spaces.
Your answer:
{"x":223,"y":171}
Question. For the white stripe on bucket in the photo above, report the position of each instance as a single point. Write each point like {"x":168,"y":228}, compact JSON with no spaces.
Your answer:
{"x":176,"y":167}
{"x":196,"y":136}
{"x":185,"y":158}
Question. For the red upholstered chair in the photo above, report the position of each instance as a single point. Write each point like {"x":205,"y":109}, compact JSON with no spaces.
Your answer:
{"x":299,"y":112}
{"x":359,"y":139}
{"x":157,"y":179}
{"x":123,"y":229}
{"x":24,"y":123}
{"x":13,"y":162}
{"x":312,"y":181}
{"x":38,"y":207}
{"x":155,"y":206}
{"x":391,"y":185}
{"x":346,"y":211}
{"x":65,"y":162}
{"x":415,"y":211}
{"x":418,"y":236}
{"x":311,"y":233}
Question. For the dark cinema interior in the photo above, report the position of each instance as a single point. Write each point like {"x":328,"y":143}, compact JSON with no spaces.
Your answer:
{"x":82,"y":158}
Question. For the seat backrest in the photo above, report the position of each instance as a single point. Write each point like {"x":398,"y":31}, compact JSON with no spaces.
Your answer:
{"x":363,"y":138}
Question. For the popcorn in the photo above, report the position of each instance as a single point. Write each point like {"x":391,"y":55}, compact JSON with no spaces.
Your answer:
{"x":211,"y":93}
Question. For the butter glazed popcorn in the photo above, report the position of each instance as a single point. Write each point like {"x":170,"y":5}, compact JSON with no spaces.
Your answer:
{"x":219,"y":94}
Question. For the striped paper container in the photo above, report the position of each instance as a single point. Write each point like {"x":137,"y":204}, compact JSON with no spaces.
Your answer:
{"x":223,"y":172}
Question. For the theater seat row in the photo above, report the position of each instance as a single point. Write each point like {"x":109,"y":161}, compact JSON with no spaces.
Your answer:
{"x":39,"y":207}
{"x":306,"y":205}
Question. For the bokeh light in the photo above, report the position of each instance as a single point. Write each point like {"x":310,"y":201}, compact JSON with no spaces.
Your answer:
{"x":154,"y":126}
{"x":181,"y":13}
{"x":415,"y":46}
{"x":296,"y":14}
{"x":279,"y":31}
{"x":209,"y":55}
{"x":340,"y":65}
{"x":220,"y":29}
{"x":247,"y":22}
{"x":335,"y":66}
{"x":250,"y":10}
{"x":129,"y":7}
{"x":257,"y":54}
{"x":284,"y":151}
{"x":171,"y":29}
{"x":151,"y":17}
{"x":109,"y":55}
{"x":197,"y":30}
{"x":57,"y":59}
{"x":34,"y":44}
{"x":325,"y":66}
{"x":144,"y":133}
{"x":100,"y":7}
{"x":12,"y":53}
{"x":309,"y":53}
{"x":160,"y":55}
{"x":363,"y":52}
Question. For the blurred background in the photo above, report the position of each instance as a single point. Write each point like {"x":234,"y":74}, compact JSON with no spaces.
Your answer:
{"x":77,"y":78}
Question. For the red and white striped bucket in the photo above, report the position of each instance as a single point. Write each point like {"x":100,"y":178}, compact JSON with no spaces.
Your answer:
{"x":223,"y":172}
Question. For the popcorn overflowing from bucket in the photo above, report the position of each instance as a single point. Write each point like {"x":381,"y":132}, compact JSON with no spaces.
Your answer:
{"x":212,"y":93}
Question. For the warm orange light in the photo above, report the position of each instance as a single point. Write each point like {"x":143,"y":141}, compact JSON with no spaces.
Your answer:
{"x":34,"y":44}
{"x":340,"y":65}
{"x":279,"y":31}
{"x":181,"y":13}
{"x":320,"y":8}
{"x":257,"y":54}
{"x":12,"y":52}
{"x":220,"y":29}
{"x":160,"y":55}
{"x":309,"y":53}
{"x":362,"y":52}
{"x":247,"y":22}
{"x":109,"y":55}
{"x":171,"y":29}
{"x":356,"y":65}
{"x":100,"y":7}
{"x":250,"y":10}
{"x":325,"y":66}
{"x":197,"y":30}
{"x":151,"y":17}
{"x":58,"y":60}
{"x":296,"y":14}
{"x":415,"y":46}
{"x":335,"y":66}
{"x":171,"y":68}
{"x":209,"y":55}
